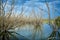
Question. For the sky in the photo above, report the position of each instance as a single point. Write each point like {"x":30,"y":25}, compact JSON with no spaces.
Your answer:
{"x":30,"y":5}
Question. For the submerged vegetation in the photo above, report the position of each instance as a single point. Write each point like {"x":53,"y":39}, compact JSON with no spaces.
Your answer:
{"x":9,"y":21}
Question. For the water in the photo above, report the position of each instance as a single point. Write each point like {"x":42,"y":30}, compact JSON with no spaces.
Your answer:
{"x":27,"y":32}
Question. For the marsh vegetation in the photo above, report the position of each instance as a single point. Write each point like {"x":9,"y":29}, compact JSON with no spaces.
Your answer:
{"x":11,"y":23}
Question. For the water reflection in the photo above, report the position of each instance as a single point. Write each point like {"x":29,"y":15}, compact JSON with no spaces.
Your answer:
{"x":27,"y":31}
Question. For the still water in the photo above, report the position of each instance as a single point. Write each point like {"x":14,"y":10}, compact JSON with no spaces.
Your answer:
{"x":27,"y":32}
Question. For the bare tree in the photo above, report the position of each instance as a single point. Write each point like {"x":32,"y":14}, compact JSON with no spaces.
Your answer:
{"x":47,"y":5}
{"x":8,"y":23}
{"x":55,"y":35}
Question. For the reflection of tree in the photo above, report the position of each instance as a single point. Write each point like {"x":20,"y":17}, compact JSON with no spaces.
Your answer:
{"x":37,"y":25}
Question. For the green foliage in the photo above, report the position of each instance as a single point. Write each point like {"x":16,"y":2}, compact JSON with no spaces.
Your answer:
{"x":57,"y":21}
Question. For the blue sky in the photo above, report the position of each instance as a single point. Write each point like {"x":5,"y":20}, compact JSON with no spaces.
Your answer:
{"x":28,"y":5}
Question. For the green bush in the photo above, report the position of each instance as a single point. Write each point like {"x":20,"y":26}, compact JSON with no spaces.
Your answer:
{"x":57,"y":21}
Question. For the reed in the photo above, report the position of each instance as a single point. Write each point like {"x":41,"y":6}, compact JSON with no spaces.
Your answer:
{"x":8,"y":23}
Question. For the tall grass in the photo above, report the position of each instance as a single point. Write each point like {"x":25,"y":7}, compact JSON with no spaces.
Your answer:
{"x":8,"y":23}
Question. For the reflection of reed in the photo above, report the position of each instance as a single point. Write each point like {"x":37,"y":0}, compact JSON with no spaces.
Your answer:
{"x":37,"y":28}
{"x":37,"y":22}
